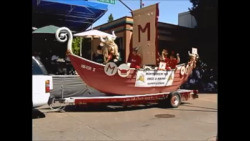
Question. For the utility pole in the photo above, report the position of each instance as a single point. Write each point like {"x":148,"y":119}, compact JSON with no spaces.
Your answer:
{"x":125,"y":5}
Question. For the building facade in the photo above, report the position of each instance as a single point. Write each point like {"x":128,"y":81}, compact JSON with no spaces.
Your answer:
{"x":187,"y":20}
{"x":171,"y":37}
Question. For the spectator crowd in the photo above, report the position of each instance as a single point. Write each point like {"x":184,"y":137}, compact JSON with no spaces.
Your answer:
{"x":203,"y":78}
{"x":57,"y":65}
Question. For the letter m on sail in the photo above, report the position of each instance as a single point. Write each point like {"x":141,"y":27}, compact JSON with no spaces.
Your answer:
{"x":140,"y":29}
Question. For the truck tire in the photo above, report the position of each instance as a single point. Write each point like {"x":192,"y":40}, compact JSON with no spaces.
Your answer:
{"x":51,"y":100}
{"x":174,"y":100}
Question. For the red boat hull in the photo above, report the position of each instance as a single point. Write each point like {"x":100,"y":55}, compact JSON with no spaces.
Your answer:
{"x":93,"y":75}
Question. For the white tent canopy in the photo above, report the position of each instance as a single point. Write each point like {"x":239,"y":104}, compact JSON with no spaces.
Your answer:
{"x":92,"y":34}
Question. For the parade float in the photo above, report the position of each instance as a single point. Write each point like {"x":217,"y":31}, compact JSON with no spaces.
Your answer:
{"x":131,"y":84}
{"x":122,"y":80}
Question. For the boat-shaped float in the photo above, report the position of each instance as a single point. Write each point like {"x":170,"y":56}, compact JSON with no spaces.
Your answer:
{"x":122,"y":80}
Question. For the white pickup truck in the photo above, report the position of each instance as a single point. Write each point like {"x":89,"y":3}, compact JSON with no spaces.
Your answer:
{"x":42,"y":84}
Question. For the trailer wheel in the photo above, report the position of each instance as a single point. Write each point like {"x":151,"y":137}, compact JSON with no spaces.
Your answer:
{"x":174,"y":100}
{"x":56,"y":105}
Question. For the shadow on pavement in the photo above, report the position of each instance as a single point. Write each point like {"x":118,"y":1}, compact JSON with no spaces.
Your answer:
{"x":37,"y":114}
{"x":120,"y":108}
{"x":194,"y":110}
{"x":109,"y":108}
{"x":114,"y":108}
{"x":200,"y":107}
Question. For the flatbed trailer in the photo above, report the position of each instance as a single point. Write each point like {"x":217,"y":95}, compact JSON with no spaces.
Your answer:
{"x":171,"y":99}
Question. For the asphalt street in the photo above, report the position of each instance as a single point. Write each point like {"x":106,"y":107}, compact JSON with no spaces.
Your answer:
{"x":193,"y":120}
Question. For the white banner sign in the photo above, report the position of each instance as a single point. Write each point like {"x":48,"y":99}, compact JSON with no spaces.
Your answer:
{"x":154,"y":78}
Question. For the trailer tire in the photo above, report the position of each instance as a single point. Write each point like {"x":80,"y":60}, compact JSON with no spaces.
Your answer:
{"x":56,"y":105}
{"x":174,"y":100}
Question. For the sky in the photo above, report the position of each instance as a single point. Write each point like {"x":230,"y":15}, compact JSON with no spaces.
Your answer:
{"x":168,"y":9}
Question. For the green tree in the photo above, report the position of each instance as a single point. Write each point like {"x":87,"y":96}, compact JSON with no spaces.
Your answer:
{"x":205,"y":35}
{"x":110,"y":18}
{"x":76,"y":45}
{"x":205,"y":13}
